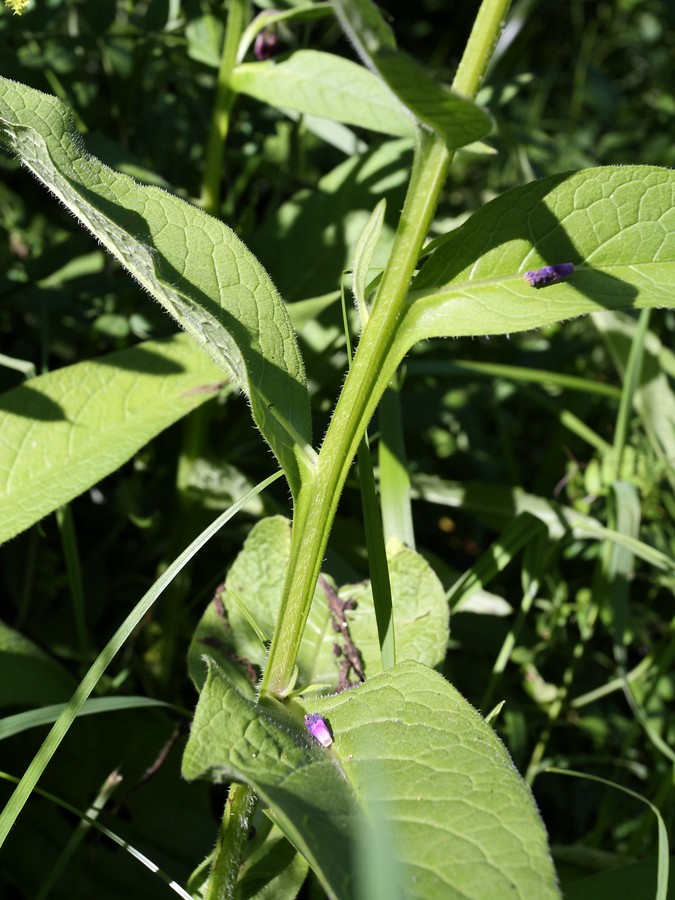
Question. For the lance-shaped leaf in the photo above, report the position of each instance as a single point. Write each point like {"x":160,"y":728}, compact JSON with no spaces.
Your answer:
{"x":615,"y":224}
{"x":193,"y":264}
{"x":410,"y":755}
{"x":323,"y":84}
{"x":62,"y":432}
{"x":457,"y":120}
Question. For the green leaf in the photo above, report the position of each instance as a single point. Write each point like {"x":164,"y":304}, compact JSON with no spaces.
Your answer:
{"x":497,"y":506}
{"x":654,"y":398}
{"x":421,"y":614}
{"x":194,"y":265}
{"x":63,"y":432}
{"x":204,"y":37}
{"x":28,"y":675}
{"x":408,"y":753}
{"x":271,"y":869}
{"x":457,"y":120}
{"x":615,"y":224}
{"x":47,"y":715}
{"x":326,"y":85}
{"x":363,"y":256}
{"x":256,"y":580}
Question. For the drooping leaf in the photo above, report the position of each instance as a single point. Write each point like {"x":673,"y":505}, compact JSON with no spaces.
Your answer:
{"x":323,"y":84}
{"x":462,"y":822}
{"x":615,"y":224}
{"x":458,"y":120}
{"x":64,"y":431}
{"x":47,"y":715}
{"x":193,"y":264}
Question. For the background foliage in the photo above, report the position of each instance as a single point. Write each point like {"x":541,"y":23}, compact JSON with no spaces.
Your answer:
{"x":572,"y":85}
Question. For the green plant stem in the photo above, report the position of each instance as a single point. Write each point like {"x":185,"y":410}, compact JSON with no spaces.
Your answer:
{"x":374,"y":532}
{"x":64,"y":518}
{"x":480,"y":46}
{"x":233,"y":834}
{"x":394,"y":477}
{"x":364,"y":385}
{"x":222,"y":108}
{"x":374,"y":364}
{"x":377,"y":557}
{"x":631,"y":383}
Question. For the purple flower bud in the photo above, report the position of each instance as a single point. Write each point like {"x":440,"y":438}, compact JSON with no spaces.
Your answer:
{"x":267,"y":44}
{"x":548,"y":274}
{"x":318,"y":728}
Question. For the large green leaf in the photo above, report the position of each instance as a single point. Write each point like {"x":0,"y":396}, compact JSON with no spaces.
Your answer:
{"x":326,"y":85}
{"x":193,"y":264}
{"x":255,"y":582}
{"x":411,"y":756}
{"x":456,"y":119}
{"x":615,"y":224}
{"x":62,"y":432}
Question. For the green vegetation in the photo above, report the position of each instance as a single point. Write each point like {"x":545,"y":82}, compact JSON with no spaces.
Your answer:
{"x":457,"y":559}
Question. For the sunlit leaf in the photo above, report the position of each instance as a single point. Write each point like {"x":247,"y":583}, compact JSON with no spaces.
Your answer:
{"x":409,"y":753}
{"x":62,"y":432}
{"x":193,"y":264}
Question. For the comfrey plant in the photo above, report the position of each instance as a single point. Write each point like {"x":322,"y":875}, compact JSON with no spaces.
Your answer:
{"x":395,"y":780}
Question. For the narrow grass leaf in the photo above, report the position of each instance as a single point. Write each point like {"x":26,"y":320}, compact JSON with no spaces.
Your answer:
{"x":51,"y":743}
{"x":663,"y":864}
{"x":497,"y":506}
{"x":46,"y":715}
{"x":378,"y":567}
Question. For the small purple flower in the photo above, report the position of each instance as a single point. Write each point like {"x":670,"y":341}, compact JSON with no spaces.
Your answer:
{"x":318,"y":728}
{"x":267,"y":44}
{"x":539,"y":278}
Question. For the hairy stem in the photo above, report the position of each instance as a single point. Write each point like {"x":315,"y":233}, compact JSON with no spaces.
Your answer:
{"x":233,"y":833}
{"x":222,"y":108}
{"x":373,"y":366}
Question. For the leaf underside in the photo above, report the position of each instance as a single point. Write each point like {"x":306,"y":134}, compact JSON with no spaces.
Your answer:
{"x":409,"y":755}
{"x":193,"y":264}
